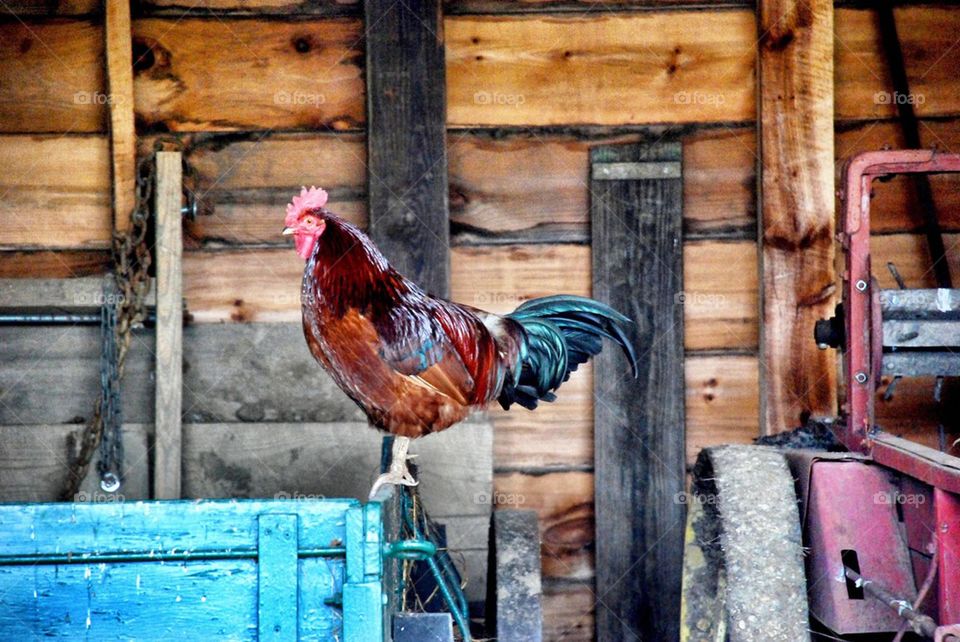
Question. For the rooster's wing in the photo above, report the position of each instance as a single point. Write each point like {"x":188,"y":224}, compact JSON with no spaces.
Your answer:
{"x":415,"y":344}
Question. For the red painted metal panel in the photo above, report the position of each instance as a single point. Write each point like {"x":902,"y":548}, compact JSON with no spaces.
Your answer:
{"x":947,"y":510}
{"x":852,"y":506}
{"x":916,"y":506}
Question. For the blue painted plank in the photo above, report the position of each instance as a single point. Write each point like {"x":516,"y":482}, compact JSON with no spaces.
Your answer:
{"x":321,"y":584}
{"x":160,"y":527}
{"x":157,"y":601}
{"x":147,"y":601}
{"x":355,"y":545}
{"x":363,"y":612}
{"x":372,"y":541}
{"x":363,"y":592}
{"x":278,"y":570}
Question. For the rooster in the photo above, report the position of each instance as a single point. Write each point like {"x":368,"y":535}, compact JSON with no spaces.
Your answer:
{"x":415,"y":363}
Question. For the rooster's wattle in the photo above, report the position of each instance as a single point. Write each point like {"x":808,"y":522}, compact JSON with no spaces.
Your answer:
{"x":416,"y":363}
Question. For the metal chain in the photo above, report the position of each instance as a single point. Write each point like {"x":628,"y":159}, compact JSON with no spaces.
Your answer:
{"x":110,"y":465}
{"x":131,"y":261}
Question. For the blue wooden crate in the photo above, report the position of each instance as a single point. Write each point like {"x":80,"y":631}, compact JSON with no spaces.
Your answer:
{"x":196,"y":570}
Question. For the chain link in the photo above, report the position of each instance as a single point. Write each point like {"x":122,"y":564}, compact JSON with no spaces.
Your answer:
{"x":123,"y":311}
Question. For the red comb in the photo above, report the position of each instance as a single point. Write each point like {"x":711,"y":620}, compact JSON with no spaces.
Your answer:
{"x":307,"y":200}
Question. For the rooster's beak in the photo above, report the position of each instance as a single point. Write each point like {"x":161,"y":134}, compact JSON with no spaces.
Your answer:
{"x":287,"y":231}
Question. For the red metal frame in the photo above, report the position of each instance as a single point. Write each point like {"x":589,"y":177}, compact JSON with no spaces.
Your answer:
{"x":861,"y":358}
{"x":862,"y":364}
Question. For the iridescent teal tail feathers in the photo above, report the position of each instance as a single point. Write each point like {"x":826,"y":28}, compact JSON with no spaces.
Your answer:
{"x":561,"y":332}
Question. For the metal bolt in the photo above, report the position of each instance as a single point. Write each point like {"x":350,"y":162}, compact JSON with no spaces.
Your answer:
{"x":190,"y":210}
{"x":861,"y":285}
{"x":861,"y":377}
{"x":110,"y":482}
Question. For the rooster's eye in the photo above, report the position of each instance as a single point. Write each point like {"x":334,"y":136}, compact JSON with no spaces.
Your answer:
{"x":308,"y":221}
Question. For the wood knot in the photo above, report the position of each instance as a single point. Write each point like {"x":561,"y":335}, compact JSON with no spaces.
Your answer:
{"x":143,"y":56}
{"x":779,"y":42}
{"x":457,"y":197}
{"x":710,"y":388}
{"x":302,"y":44}
{"x":241,"y":314}
{"x":149,"y":55}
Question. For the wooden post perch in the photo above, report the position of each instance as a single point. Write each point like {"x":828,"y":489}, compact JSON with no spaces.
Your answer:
{"x":797,"y":210}
{"x":169,"y":286}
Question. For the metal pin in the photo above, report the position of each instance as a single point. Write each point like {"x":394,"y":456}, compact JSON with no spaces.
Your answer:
{"x":861,"y":285}
{"x":888,"y":393}
{"x":896,"y":275}
{"x":860,"y":377}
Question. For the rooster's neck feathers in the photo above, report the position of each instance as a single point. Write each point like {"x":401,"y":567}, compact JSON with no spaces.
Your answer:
{"x":348,"y":271}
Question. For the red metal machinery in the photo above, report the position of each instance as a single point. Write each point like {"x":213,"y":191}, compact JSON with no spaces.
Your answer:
{"x":883,"y":521}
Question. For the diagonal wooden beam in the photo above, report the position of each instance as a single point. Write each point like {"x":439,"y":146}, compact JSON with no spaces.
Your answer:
{"x":796,"y":209}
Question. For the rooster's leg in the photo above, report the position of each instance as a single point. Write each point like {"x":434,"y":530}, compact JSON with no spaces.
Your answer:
{"x":398,"y":474}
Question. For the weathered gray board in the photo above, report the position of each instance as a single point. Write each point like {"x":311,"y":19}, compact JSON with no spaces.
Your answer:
{"x":249,"y":372}
{"x":34,"y":460}
{"x":81,"y":292}
{"x":248,"y":389}
{"x":639,"y":436}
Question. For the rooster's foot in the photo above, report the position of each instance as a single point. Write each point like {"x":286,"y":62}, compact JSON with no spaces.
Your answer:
{"x":397,"y":479}
{"x":399,"y":474}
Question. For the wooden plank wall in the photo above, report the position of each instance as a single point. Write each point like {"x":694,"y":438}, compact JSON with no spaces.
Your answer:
{"x":269,"y":96}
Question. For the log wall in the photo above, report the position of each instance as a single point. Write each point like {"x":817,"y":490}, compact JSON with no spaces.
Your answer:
{"x":267,"y":96}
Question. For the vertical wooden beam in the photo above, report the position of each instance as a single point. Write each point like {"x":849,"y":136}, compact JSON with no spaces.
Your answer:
{"x":406,"y":137}
{"x":123,"y":136}
{"x":169,"y":330}
{"x":797,"y":209}
{"x":636,"y":215}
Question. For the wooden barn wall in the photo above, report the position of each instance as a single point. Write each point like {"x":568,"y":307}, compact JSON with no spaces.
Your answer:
{"x":267,"y":96}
